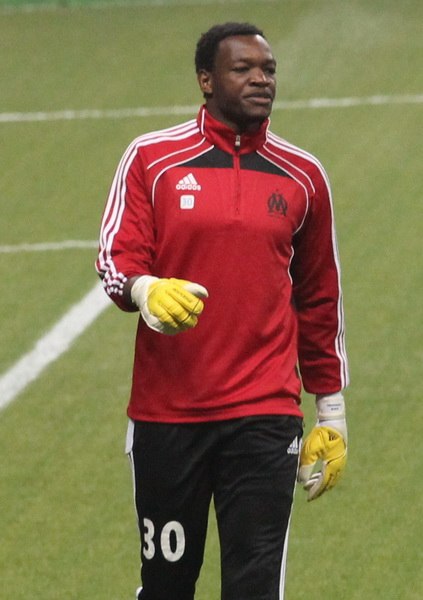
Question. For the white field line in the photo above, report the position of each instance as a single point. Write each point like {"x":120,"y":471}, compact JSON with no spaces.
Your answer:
{"x":104,"y":5}
{"x":141,"y":112}
{"x":49,"y":246}
{"x":52,"y":345}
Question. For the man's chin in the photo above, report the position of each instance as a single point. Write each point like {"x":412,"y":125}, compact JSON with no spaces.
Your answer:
{"x":256,"y":116}
{"x":258,"y":110}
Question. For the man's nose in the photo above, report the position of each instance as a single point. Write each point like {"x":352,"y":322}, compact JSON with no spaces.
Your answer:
{"x":259,"y":77}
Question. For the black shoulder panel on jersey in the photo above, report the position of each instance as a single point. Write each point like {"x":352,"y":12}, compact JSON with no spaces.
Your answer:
{"x":255,"y":162}
{"x":214,"y":158}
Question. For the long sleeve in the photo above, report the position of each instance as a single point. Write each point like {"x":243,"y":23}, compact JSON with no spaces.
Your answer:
{"x":127,"y":228}
{"x":318,"y":297}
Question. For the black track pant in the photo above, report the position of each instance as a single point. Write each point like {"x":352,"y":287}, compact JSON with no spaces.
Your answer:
{"x":249,"y":467}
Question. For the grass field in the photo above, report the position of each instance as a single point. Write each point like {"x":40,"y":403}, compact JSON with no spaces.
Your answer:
{"x":67,"y":527}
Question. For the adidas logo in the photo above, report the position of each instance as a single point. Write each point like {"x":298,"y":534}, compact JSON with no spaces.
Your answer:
{"x":294,"y":446}
{"x":188,"y":183}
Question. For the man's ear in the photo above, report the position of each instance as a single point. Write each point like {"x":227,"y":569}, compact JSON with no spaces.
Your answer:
{"x":205,"y":81}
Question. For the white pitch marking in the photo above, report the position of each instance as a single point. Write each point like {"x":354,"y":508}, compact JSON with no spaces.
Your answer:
{"x":125,"y":113}
{"x":48,"y":246}
{"x":52,"y":345}
{"x":104,"y":5}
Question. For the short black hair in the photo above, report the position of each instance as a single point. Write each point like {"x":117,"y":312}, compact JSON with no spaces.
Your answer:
{"x":208,"y":43}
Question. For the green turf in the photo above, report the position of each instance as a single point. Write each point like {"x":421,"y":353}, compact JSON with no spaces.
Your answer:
{"x":67,"y":527}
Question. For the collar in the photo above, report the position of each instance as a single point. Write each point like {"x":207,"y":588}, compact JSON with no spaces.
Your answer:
{"x":222,"y":136}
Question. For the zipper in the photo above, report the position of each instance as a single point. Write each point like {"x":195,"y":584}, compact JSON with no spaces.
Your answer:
{"x":237,"y":174}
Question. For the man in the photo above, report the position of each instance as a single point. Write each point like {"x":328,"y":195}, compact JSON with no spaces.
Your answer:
{"x":221,"y":234}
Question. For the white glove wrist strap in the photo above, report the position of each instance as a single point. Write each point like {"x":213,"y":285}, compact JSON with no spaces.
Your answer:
{"x":139,"y":295}
{"x":139,"y":290}
{"x":331,"y":412}
{"x":330,"y":406}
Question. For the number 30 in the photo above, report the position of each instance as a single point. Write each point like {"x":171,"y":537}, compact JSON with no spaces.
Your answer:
{"x":174,"y":530}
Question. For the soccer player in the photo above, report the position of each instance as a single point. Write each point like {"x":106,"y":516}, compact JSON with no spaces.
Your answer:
{"x":221,"y":235}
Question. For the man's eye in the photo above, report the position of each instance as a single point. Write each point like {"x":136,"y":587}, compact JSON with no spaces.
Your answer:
{"x":240,"y":69}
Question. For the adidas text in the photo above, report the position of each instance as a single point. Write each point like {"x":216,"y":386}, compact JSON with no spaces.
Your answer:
{"x":188,"y":183}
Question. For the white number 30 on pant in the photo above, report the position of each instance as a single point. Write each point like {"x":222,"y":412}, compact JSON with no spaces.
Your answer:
{"x":172,"y":540}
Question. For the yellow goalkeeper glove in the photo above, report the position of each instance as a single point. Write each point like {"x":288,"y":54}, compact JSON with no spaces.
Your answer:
{"x":168,"y":306}
{"x":327,"y":442}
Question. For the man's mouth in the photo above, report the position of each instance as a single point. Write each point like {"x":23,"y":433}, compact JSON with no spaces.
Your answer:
{"x":260,"y":98}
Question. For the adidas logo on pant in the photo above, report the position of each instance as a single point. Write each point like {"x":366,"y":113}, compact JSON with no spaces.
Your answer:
{"x":294,"y":446}
{"x":188,"y":183}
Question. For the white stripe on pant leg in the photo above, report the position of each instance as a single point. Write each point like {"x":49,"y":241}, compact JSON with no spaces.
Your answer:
{"x":129,"y":443}
{"x":283,"y":564}
{"x":285,"y":545}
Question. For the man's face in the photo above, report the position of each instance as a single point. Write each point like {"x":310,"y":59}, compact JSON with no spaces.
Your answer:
{"x":241,"y":87}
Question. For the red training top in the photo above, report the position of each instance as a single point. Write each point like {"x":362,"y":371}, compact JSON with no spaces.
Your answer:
{"x":250,"y":218}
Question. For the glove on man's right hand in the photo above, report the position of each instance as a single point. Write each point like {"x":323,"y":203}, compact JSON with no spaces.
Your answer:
{"x":168,"y":306}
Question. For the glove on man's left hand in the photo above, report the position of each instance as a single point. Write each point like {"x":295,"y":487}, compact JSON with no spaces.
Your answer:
{"x":326,"y":442}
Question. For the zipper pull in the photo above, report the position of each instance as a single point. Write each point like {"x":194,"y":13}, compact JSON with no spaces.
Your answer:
{"x":237,"y":142}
